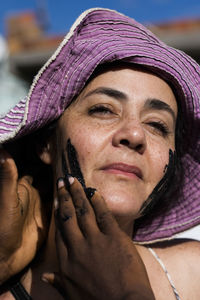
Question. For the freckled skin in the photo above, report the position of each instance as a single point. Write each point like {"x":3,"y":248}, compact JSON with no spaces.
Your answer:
{"x":74,"y":169}
{"x":148,"y":204}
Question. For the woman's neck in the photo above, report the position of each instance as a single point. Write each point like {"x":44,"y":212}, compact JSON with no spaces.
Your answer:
{"x":126,"y":225}
{"x":46,"y":262}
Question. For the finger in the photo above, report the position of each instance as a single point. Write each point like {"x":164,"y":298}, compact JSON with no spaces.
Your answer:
{"x":28,"y":179}
{"x":104,"y":218}
{"x":8,"y":180}
{"x":54,"y":280}
{"x":84,"y":211}
{"x":61,"y":248}
{"x":11,"y":209}
{"x":66,"y":217}
{"x":25,"y":194}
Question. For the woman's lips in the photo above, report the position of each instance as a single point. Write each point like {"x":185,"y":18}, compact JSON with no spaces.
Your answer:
{"x":124,"y":169}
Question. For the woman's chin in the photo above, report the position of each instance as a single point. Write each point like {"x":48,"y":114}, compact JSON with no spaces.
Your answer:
{"x":123,"y":206}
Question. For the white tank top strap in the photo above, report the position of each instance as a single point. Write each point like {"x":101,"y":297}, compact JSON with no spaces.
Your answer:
{"x":166,"y":272}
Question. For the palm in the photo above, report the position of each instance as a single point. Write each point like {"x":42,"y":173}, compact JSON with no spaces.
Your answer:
{"x":22,"y":226}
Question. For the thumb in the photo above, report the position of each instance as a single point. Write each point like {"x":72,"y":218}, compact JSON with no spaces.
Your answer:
{"x":8,"y":167}
{"x":8,"y":179}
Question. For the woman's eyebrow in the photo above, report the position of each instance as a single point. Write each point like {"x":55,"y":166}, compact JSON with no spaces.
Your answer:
{"x":108,"y":92}
{"x":149,"y":103}
{"x":159,"y":105}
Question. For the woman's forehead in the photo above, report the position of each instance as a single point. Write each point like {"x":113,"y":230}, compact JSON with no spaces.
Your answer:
{"x":124,"y":81}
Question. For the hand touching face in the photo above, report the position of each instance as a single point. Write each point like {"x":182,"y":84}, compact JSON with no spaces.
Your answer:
{"x":97,"y":260}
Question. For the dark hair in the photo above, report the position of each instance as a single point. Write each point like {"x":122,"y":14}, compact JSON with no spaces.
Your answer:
{"x":25,"y":154}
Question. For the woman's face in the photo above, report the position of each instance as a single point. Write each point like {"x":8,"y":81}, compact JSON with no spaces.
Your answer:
{"x":122,"y":126}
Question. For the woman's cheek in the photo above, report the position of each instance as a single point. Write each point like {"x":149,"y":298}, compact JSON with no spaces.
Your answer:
{"x":159,"y":161}
{"x":84,"y":143}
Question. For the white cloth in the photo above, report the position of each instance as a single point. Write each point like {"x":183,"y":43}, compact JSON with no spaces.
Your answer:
{"x":193,"y":234}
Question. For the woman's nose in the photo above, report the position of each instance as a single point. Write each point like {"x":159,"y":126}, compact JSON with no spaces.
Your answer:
{"x":131,"y":134}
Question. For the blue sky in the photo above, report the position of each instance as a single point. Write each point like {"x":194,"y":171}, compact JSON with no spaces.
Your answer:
{"x":62,"y":13}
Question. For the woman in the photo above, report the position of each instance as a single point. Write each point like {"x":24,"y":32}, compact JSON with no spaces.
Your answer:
{"x":131,"y":102}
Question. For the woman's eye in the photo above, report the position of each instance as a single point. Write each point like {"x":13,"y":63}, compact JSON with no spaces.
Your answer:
{"x":160,"y":128}
{"x":100,"y":109}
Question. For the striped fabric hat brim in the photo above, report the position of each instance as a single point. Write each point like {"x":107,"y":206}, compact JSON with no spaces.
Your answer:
{"x":100,"y":36}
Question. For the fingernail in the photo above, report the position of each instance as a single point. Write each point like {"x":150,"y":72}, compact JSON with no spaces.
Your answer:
{"x":70,"y":179}
{"x":55,"y":203}
{"x":60,"y":183}
{"x":43,"y":278}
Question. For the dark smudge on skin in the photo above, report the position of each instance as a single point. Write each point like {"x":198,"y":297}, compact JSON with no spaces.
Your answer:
{"x":162,"y":185}
{"x":90,"y":192}
{"x":148,"y":205}
{"x":65,"y":171}
{"x":74,"y":164}
{"x":75,"y":169}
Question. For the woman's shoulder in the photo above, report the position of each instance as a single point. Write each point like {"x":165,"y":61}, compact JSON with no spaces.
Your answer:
{"x":181,"y":251}
{"x":181,"y":260}
{"x":190,"y":234}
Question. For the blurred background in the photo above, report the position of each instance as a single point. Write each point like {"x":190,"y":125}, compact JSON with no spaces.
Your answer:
{"x":30,"y":31}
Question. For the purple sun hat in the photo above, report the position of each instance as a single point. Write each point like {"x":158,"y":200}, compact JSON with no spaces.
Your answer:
{"x":102,"y":36}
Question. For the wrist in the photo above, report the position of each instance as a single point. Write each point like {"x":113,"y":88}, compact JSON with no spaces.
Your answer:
{"x":143,"y":294}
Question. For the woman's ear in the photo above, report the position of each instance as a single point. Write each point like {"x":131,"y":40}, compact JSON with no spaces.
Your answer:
{"x":45,"y":153}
